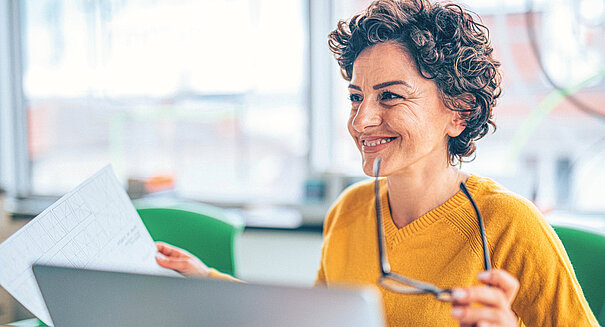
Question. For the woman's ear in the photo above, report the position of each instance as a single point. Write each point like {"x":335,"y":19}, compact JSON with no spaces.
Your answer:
{"x":459,"y":115}
{"x":457,"y":123}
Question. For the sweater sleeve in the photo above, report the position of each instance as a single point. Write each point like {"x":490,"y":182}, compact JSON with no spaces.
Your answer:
{"x":529,"y":249}
{"x":321,"y":280}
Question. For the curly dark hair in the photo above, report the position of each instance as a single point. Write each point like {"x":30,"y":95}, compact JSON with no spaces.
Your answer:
{"x":448,"y":47}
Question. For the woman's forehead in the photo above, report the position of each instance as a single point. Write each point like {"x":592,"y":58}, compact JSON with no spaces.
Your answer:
{"x":383,"y":61}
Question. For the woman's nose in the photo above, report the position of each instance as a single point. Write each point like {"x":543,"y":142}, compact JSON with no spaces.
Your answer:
{"x":367,"y":115}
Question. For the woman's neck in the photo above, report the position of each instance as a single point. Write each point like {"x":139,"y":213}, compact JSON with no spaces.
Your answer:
{"x":411,"y":195}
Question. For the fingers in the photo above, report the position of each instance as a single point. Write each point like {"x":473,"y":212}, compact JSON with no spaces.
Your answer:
{"x":501,"y":280}
{"x":488,"y":296}
{"x":479,"y":316}
{"x":179,"y":264}
{"x":501,"y":291}
{"x":487,"y":305}
{"x":171,"y":257}
{"x":484,"y":316}
{"x":171,"y":250}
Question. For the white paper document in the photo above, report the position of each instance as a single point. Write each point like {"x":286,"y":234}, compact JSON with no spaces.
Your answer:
{"x":94,"y":226}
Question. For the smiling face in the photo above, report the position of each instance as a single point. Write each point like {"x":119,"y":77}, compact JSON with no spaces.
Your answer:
{"x":397,"y":114}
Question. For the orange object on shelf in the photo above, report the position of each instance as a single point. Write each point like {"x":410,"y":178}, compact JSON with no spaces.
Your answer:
{"x":159,"y":183}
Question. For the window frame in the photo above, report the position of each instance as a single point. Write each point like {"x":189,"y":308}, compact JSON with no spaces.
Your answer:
{"x":15,"y":168}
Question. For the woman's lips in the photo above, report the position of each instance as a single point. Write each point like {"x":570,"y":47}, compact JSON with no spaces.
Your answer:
{"x":372,"y":145}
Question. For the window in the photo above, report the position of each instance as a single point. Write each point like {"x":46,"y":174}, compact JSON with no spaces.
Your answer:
{"x":210,"y":93}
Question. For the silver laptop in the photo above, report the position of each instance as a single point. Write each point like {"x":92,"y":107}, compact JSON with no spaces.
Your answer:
{"x":78,"y":297}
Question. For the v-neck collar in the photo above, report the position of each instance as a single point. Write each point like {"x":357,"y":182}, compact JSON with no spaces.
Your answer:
{"x":395,"y":235}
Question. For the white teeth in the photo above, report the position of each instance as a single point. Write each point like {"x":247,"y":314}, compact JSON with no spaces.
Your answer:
{"x":377,"y":142}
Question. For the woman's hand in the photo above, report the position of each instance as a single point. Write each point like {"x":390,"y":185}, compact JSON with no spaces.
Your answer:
{"x":171,"y":257}
{"x":487,"y":305}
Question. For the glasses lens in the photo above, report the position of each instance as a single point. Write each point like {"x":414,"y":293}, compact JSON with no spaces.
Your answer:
{"x":399,"y":287}
{"x":445,"y":296}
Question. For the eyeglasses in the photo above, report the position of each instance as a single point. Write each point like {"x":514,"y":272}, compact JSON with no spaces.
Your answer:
{"x":405,"y":285}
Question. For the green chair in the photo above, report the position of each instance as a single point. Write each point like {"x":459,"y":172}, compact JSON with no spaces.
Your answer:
{"x":205,"y":231}
{"x":586,"y":251}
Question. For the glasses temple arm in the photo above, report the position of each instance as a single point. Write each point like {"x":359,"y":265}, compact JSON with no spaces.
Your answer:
{"x":384,"y":263}
{"x":486,"y":260}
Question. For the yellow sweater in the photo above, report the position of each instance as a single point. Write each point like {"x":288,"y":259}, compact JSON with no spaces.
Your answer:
{"x":443,"y":247}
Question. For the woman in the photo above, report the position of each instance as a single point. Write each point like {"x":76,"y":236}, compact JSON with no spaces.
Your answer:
{"x":423,"y":84}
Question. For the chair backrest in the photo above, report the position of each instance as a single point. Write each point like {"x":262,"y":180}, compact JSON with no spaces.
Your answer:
{"x":205,"y":231}
{"x":586,"y":251}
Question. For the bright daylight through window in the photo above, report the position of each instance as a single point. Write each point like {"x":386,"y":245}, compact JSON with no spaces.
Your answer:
{"x":207,"y":93}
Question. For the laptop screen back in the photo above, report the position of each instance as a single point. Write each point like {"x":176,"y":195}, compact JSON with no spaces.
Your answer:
{"x":77,"y":297}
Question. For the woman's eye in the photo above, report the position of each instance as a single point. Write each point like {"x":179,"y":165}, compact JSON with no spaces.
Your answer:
{"x":387,"y":95}
{"x":355,"y":97}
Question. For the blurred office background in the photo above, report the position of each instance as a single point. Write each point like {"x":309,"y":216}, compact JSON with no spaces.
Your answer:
{"x":238,"y":103}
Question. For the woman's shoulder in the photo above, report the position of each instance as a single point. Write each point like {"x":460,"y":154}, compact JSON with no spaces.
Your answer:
{"x":506,"y":210}
{"x":508,"y":213}
{"x":351,"y":200}
{"x":491,"y":196}
{"x":524,"y":244}
{"x":353,"y":193}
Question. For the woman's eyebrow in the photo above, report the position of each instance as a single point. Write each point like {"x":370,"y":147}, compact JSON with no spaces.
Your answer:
{"x":385,"y":84}
{"x":382,"y":85}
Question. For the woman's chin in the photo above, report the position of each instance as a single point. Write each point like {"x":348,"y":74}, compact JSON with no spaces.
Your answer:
{"x":368,"y":167}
